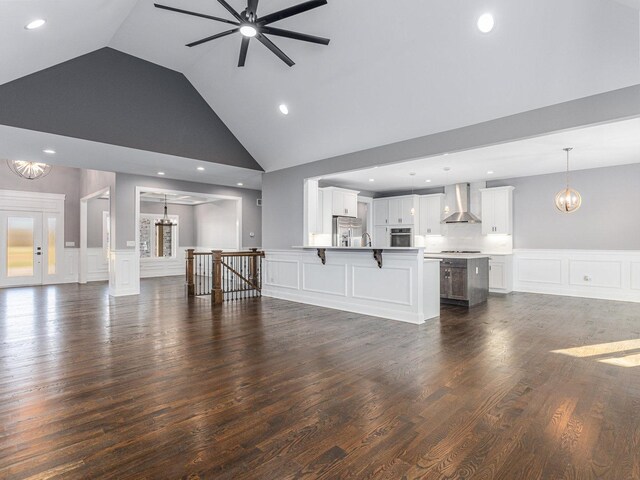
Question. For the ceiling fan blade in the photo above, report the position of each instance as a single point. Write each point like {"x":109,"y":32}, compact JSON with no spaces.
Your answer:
{"x":212,"y":37}
{"x":291,"y":11}
{"x":252,"y":7}
{"x":244,"y":46}
{"x":235,"y":14}
{"x":195,"y":14}
{"x":295,"y":35}
{"x":271,"y":46}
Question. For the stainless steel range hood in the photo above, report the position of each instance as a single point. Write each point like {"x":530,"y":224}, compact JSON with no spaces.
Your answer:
{"x":461,"y":213}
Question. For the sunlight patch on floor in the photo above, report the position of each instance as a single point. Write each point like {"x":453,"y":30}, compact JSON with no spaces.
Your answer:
{"x":600,"y":349}
{"x":628,"y":361}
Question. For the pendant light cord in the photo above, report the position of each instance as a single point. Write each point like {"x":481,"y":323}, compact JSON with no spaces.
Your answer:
{"x":568,"y":149}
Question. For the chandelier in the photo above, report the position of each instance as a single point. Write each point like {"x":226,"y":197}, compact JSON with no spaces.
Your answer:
{"x":29,"y":170}
{"x":568,"y":200}
{"x":164,"y":226}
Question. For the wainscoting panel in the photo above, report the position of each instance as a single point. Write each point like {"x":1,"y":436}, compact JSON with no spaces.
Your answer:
{"x":352,"y":281}
{"x":393,"y":285}
{"x":635,"y":275}
{"x":540,"y":270}
{"x":123,"y":273}
{"x":604,"y":274}
{"x":70,"y":266}
{"x":330,"y":279}
{"x":595,"y":273}
{"x":282,"y":273}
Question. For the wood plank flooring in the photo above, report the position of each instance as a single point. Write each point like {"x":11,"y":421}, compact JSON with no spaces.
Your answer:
{"x":162,"y":387}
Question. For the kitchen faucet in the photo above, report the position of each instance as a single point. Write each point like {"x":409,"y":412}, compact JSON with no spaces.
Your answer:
{"x":366,"y":234}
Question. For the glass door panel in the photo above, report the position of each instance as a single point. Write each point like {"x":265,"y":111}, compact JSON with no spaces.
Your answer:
{"x":20,"y":247}
{"x":21,"y":244}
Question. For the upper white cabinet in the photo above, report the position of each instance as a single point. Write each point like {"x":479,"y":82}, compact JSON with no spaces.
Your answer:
{"x":431,"y":214}
{"x":497,"y":211}
{"x":344,"y":203}
{"x":401,"y":208}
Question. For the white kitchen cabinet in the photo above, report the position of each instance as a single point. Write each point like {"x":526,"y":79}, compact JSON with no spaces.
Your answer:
{"x":343,"y":202}
{"x":497,"y":211}
{"x":400,"y":209}
{"x":381,"y":236}
{"x":501,"y":273}
{"x":431,"y":214}
{"x":380,"y":211}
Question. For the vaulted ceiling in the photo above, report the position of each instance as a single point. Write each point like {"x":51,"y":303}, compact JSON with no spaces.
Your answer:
{"x":393,"y":71}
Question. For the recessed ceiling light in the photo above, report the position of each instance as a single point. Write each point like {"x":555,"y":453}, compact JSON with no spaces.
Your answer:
{"x":428,"y":181}
{"x":284,"y":109}
{"x":490,"y":172}
{"x":35,"y":24}
{"x":239,"y":184}
{"x":372,"y":180}
{"x":200,"y":169}
{"x":160,"y":173}
{"x":49,"y":151}
{"x":486,"y":23}
{"x":248,"y":30}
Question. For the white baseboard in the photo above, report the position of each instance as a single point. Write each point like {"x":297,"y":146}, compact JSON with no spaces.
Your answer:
{"x":601,"y":274}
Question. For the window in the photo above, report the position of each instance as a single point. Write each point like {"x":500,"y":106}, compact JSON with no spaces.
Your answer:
{"x":150,"y":246}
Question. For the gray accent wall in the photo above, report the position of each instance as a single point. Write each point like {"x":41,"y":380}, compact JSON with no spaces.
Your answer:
{"x":607,"y":220}
{"x":125,"y":205}
{"x":60,"y":180}
{"x":282,"y":215}
{"x":110,"y":97}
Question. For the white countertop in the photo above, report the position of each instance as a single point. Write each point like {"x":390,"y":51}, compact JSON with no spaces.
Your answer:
{"x":315,"y":247}
{"x":467,"y":256}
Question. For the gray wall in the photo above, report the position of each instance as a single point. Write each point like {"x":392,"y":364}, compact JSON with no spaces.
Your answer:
{"x":60,"y":180}
{"x":92,"y":181}
{"x":125,"y":205}
{"x":110,"y":97}
{"x":282,"y":190}
{"x":95,"y":207}
{"x":216,"y":225}
{"x":607,"y":220}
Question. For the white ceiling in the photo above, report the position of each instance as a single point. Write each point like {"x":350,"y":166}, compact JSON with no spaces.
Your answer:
{"x":393,"y":71}
{"x":598,"y":146}
{"x":21,"y":144}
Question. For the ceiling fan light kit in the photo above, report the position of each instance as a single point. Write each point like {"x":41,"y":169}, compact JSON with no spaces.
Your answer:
{"x":251,"y":26}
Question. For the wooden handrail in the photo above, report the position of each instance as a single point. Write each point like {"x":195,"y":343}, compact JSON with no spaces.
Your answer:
{"x":205,"y":273}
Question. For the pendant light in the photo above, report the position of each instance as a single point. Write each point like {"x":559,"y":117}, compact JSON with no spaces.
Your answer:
{"x":163,"y":225}
{"x":413,"y":210}
{"x":29,"y":170}
{"x":568,"y":200}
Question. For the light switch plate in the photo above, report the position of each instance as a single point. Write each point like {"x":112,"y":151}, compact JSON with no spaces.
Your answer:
{"x":131,"y":243}
{"x":69,"y":244}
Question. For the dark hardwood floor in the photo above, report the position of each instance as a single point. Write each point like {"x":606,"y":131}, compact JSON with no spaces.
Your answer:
{"x":159,"y":386}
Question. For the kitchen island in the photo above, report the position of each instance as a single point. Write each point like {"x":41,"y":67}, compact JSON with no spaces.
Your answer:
{"x":464,"y":277}
{"x":395,"y":283}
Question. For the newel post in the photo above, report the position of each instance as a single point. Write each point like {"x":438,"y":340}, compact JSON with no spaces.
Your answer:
{"x":191,"y":291}
{"x":216,"y":293}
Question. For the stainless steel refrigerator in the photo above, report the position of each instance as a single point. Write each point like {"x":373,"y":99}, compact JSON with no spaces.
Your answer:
{"x":347,"y":232}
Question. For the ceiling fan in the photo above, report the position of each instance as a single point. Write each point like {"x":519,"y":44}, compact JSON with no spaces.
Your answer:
{"x":250,"y":25}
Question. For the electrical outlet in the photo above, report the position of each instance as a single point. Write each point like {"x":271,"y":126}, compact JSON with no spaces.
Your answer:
{"x":587,"y":278}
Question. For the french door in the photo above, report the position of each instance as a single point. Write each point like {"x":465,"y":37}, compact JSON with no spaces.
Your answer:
{"x":30,"y":246}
